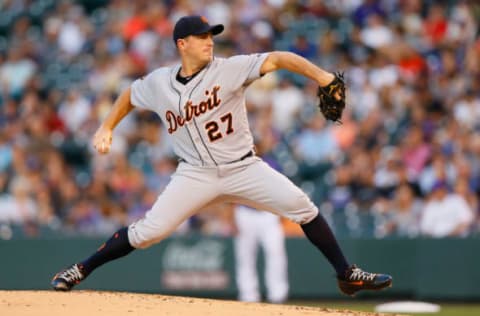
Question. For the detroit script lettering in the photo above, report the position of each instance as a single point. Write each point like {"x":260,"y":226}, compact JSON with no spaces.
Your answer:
{"x":193,"y":110}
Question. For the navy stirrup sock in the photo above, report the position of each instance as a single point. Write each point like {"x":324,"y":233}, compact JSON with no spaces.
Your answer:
{"x":117,"y":246}
{"x":320,"y":234}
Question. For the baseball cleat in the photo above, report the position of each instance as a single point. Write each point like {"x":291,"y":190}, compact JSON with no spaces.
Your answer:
{"x":68,"y":278}
{"x":356,"y":280}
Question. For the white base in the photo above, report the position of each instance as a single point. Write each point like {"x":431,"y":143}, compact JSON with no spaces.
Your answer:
{"x":407,"y":307}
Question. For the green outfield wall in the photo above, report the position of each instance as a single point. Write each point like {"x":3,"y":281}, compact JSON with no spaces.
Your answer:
{"x":200,"y":266}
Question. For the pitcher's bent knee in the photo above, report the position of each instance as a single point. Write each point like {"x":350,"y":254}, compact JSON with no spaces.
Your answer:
{"x":142,"y":234}
{"x":303,"y":216}
{"x":300,"y":209}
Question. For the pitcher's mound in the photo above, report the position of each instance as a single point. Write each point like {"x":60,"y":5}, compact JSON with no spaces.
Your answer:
{"x":92,"y":303}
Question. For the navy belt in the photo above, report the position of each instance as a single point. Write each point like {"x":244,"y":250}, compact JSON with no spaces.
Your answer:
{"x":249,"y":154}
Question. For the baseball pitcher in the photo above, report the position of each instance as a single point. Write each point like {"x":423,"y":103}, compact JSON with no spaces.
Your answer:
{"x":201,"y":101}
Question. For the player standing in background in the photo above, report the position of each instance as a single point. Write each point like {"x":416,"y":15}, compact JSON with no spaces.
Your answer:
{"x":258,"y":228}
{"x":202,"y":103}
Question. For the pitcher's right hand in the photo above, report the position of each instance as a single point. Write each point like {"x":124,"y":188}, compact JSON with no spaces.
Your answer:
{"x":102,"y":140}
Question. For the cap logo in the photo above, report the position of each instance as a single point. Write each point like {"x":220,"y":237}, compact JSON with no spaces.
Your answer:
{"x":204,"y":19}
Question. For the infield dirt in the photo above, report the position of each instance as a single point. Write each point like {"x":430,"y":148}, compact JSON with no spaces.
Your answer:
{"x":93,"y":303}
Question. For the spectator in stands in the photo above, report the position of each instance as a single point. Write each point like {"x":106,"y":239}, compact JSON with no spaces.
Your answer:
{"x":365,"y":9}
{"x":316,"y":143}
{"x":387,"y":175}
{"x":402,"y":215}
{"x":462,"y":188}
{"x":287,"y":100}
{"x":445,"y":214}
{"x":439,"y":168}
{"x":74,"y":111}
{"x":376,"y":34}
{"x":341,"y":193}
{"x":17,"y":206}
{"x":303,"y":47}
{"x":15,"y":72}
{"x":415,"y":152}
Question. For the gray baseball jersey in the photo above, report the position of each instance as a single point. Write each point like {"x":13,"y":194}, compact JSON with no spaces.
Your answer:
{"x":208,"y":121}
{"x":202,"y":114}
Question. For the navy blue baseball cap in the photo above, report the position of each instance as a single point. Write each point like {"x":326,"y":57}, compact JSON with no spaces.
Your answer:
{"x":194,"y":25}
{"x":439,"y":184}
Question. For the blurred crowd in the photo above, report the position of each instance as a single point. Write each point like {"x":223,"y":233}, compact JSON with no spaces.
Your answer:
{"x":404,"y":162}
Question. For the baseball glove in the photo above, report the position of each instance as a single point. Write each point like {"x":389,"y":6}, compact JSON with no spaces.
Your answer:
{"x":329,"y":105}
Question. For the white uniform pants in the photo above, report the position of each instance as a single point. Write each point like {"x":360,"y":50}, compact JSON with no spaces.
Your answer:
{"x":258,"y":228}
{"x":249,"y":182}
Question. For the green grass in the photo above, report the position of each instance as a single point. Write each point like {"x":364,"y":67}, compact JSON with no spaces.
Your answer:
{"x":447,"y":309}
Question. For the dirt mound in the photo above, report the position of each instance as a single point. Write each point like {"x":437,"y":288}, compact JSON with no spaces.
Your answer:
{"x":93,"y":303}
